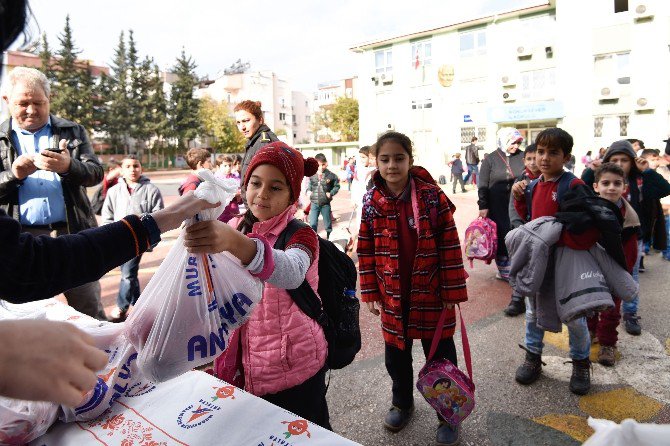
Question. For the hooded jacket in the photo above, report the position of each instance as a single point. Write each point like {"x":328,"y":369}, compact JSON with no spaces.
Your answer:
{"x":119,"y":202}
{"x":438,"y":276}
{"x":85,"y":171}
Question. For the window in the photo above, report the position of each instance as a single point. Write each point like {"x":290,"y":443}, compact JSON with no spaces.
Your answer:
{"x":295,"y":119}
{"x":307,"y":119}
{"x":620,"y":6}
{"x":623,"y":125}
{"x":420,"y":104}
{"x":384,"y":61}
{"x":473,"y":43}
{"x":538,"y":84}
{"x":598,"y":127}
{"x":295,"y":135}
{"x":466,"y":134}
{"x":481,"y":134}
{"x":421,"y":53}
{"x":282,"y":116}
{"x":307,"y":104}
{"x":282,"y":102}
{"x":618,"y":63}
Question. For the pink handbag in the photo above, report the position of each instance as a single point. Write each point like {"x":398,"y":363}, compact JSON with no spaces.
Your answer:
{"x":446,"y":388}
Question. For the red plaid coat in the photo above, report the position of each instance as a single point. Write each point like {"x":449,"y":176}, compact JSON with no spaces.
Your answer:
{"x":438,"y":275}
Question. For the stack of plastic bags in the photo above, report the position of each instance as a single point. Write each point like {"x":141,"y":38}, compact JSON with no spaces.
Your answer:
{"x":182,"y":320}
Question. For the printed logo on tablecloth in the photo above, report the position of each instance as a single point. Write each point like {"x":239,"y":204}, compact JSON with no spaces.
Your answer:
{"x":224,"y":392}
{"x":140,"y":388}
{"x":133,"y":431}
{"x":197,"y":414}
{"x":297,"y":427}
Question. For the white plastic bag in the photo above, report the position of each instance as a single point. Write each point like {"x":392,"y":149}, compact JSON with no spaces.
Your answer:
{"x":23,"y":421}
{"x":629,"y":432}
{"x":186,"y":314}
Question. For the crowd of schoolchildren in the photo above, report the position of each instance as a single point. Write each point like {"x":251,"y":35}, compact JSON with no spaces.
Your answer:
{"x":410,"y":259}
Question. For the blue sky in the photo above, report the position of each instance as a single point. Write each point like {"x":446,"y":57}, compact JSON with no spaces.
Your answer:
{"x":306,"y":41}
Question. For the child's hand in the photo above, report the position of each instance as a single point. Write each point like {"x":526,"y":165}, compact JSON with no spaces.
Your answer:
{"x":518,"y":189}
{"x":372,"y":308}
{"x":642,"y":164}
{"x":595,"y":164}
{"x":209,"y":237}
{"x":483,"y":213}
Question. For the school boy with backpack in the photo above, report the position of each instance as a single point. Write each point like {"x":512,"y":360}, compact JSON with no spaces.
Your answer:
{"x":644,"y":185}
{"x":322,"y":188}
{"x":531,"y":172}
{"x":540,"y":198}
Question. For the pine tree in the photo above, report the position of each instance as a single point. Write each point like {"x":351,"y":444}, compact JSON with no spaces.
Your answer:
{"x":46,"y":57}
{"x":66,"y":95}
{"x":185,"y":108}
{"x":117,"y":119}
{"x":159,"y":124}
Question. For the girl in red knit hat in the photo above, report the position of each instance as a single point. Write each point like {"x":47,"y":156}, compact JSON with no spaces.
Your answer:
{"x":280,"y":353}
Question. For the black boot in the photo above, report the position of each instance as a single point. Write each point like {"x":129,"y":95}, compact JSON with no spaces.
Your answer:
{"x":580,"y":381}
{"x":530,"y":370}
{"x":632,"y":324}
{"x":516,"y":307}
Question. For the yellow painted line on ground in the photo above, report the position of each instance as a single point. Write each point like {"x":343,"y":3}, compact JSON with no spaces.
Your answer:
{"x":619,"y":404}
{"x":572,"y":425}
{"x":667,"y":346}
{"x":558,"y":340}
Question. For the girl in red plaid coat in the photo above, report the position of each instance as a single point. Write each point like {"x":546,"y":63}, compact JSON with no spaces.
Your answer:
{"x":411,"y":268}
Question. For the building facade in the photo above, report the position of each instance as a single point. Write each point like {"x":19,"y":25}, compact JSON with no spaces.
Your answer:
{"x":272,"y":91}
{"x":597,"y":69}
{"x":325,"y":97}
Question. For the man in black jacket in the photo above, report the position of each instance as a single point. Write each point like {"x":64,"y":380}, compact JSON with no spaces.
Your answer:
{"x":472,"y":160}
{"x":42,"y":185}
{"x":322,"y":187}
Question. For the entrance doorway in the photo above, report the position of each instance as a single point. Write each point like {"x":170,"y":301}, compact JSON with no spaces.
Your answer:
{"x":530,"y":130}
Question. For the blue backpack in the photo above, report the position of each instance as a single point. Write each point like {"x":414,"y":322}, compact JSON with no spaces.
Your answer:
{"x":563,"y":186}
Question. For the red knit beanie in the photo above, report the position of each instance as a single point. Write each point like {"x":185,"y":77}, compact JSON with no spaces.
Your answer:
{"x":288,"y":160}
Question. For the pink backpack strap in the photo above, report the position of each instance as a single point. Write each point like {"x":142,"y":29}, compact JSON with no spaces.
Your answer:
{"x":464,"y":339}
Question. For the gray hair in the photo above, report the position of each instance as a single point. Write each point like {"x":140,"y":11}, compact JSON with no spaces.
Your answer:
{"x":29,"y":76}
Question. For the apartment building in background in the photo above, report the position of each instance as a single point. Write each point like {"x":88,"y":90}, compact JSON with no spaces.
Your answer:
{"x":325,"y":98}
{"x":598,"y":69}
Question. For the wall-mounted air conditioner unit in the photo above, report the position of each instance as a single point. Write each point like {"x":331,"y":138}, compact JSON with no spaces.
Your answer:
{"x":509,"y":96}
{"x":644,"y":103}
{"x":508,"y":80}
{"x":524,"y":51}
{"x":642,"y":10}
{"x":608,"y":93}
{"x":386,"y":78}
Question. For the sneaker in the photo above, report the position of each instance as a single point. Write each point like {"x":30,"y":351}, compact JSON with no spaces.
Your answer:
{"x":530,"y":370}
{"x":397,"y":418}
{"x":632,"y":324}
{"x":515,"y":308}
{"x":580,"y":381}
{"x":447,"y":435}
{"x":118,"y":315}
{"x":642,"y":268}
{"x":607,"y":355}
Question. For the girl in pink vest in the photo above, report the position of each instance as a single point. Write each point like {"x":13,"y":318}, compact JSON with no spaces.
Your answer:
{"x":280,"y":353}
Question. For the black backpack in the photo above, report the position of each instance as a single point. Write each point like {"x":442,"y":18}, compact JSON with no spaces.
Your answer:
{"x":337,"y":289}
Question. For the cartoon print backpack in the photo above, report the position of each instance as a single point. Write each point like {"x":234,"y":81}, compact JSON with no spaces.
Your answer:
{"x":444,"y":386}
{"x":338,"y":310}
{"x":481,"y":240}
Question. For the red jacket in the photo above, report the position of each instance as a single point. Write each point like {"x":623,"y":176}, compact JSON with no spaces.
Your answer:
{"x":438,"y":275}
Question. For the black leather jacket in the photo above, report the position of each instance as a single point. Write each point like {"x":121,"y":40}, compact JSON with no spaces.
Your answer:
{"x":262,"y":137}
{"x":85,"y":171}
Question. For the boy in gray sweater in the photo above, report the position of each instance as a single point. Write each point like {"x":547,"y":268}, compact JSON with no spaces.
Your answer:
{"x":133,"y":194}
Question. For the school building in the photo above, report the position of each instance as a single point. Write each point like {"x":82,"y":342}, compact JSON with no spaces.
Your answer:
{"x":597,"y":68}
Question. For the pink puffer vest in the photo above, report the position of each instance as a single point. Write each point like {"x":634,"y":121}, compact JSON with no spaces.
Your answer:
{"x":281,"y":346}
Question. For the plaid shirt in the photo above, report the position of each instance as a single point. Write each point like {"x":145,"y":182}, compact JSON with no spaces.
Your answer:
{"x":438,"y":275}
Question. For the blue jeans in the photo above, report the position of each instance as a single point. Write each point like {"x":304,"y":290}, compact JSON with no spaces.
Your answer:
{"x":578,"y":334}
{"x":129,"y":288}
{"x":324,"y":210}
{"x":666,"y":253}
{"x":631,"y":307}
{"x":472,"y":168}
